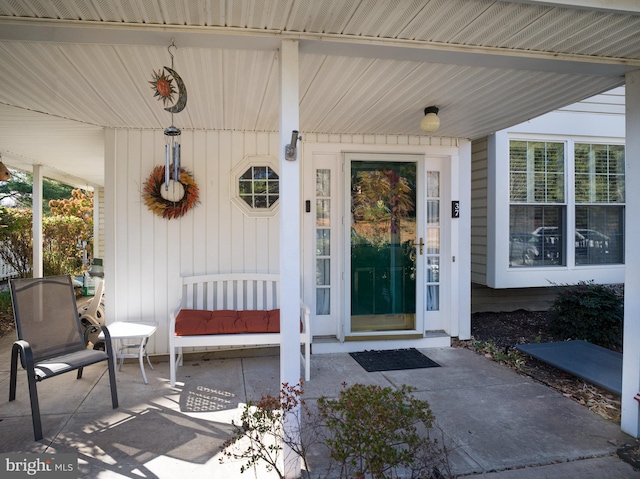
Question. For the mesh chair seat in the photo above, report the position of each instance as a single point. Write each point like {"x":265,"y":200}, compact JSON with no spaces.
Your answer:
{"x":68,"y":362}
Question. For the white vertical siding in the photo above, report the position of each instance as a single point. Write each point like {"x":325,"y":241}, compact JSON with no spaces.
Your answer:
{"x":151,"y":253}
{"x":146,"y":255}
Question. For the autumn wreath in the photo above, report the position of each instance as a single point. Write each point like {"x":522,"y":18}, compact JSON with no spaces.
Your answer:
{"x":165,"y":207}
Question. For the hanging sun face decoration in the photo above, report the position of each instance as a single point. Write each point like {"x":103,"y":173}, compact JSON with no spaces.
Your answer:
{"x":163,"y":87}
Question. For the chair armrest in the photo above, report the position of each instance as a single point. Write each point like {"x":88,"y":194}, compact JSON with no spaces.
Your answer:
{"x":107,"y":340}
{"x":92,"y":328}
{"x":172,"y":318}
{"x":24,"y":349}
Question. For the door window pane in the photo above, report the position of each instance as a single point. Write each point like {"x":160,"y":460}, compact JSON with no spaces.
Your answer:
{"x":323,"y":242}
{"x":383,"y":233}
{"x":432,"y":233}
{"x":323,"y":272}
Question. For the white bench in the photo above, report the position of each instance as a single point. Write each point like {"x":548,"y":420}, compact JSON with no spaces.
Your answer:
{"x":237,"y":292}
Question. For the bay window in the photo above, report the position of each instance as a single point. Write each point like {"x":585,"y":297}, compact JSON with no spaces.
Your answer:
{"x":546,"y":224}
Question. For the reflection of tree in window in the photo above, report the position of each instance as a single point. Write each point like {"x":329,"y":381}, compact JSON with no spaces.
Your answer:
{"x":381,"y":198}
{"x":259,"y":187}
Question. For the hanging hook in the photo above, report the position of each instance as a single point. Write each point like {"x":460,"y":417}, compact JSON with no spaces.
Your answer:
{"x":173,"y":44}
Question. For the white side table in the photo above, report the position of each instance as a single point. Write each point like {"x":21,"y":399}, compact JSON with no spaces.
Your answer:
{"x":121,"y":330}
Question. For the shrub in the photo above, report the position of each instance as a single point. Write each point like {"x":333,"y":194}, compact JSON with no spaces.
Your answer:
{"x":591,"y":312}
{"x":15,"y":239}
{"x":369,"y":431}
{"x":380,"y":432}
{"x":260,"y":436}
{"x":61,"y":235}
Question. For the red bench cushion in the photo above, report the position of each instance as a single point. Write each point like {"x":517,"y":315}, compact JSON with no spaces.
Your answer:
{"x":194,"y":322}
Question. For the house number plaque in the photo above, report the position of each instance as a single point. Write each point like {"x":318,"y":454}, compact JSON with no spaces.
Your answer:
{"x":455,"y":209}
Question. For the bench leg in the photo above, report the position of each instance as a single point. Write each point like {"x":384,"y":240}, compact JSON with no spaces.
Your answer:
{"x":307,"y":361}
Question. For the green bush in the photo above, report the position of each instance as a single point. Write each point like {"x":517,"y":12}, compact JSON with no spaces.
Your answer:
{"x":588,"y":311}
{"x":5,"y":302}
{"x":61,"y":236}
{"x":378,"y":432}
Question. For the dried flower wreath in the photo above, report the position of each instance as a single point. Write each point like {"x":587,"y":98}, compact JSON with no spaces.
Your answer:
{"x":152,"y":194}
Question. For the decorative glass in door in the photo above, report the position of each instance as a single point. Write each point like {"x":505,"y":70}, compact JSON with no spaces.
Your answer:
{"x":383,"y":249}
{"x":433,"y":241}
{"x":323,"y":242}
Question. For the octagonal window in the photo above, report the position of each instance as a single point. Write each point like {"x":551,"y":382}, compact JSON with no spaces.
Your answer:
{"x":255,"y":186}
{"x":259,"y":187}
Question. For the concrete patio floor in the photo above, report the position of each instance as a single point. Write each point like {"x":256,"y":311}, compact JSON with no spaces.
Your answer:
{"x":497,"y":423}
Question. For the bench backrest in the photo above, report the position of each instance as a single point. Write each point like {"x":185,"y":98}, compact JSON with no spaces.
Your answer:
{"x":238,"y":291}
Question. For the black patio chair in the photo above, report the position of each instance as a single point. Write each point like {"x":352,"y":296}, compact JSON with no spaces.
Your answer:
{"x":50,"y":339}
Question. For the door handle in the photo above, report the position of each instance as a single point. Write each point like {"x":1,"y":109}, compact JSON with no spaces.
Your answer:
{"x":419,"y":246}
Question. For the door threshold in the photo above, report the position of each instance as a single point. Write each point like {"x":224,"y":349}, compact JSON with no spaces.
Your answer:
{"x":433,"y":339}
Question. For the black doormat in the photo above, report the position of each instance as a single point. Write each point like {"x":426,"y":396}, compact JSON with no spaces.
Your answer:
{"x":393,"y":360}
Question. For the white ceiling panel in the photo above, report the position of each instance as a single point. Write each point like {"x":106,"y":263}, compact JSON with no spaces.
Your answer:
{"x":366,"y":66}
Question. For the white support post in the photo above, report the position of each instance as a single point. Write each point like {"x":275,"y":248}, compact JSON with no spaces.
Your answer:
{"x":630,"y":422}
{"x":110,"y":223}
{"x":36,"y":198}
{"x":461,"y":286}
{"x":289,"y":241}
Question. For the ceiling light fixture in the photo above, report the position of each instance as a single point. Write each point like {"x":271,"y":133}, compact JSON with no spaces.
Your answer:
{"x":430,"y":122}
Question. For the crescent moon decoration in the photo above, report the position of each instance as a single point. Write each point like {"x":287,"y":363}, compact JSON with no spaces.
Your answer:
{"x":152,"y":194}
{"x":182,"y":93}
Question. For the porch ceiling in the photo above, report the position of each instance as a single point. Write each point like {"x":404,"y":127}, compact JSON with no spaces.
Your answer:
{"x":70,"y":67}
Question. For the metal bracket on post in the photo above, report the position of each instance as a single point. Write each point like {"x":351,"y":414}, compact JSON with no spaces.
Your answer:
{"x":291,"y":150}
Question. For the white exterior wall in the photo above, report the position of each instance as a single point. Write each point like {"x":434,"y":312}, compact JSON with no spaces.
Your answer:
{"x":145,"y":255}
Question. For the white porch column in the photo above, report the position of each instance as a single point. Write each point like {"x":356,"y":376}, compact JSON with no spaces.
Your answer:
{"x":110,"y":223}
{"x":289,"y":237}
{"x":630,"y":422}
{"x":461,"y":236}
{"x":36,"y":207}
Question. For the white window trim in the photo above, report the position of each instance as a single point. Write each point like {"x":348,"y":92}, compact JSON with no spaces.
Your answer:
{"x":499,"y":274}
{"x":234,"y":188}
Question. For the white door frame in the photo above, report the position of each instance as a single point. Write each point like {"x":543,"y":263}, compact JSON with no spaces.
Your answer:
{"x":455,"y":185}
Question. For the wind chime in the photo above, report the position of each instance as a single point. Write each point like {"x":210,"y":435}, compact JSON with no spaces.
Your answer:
{"x":184,"y":194}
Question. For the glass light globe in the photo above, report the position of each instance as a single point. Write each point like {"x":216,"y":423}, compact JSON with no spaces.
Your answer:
{"x":430,"y":122}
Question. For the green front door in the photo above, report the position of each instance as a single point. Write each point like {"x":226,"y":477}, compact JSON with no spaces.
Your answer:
{"x":383,"y":245}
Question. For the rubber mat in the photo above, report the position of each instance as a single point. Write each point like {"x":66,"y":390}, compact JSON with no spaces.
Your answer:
{"x":393,"y":360}
{"x":594,"y":364}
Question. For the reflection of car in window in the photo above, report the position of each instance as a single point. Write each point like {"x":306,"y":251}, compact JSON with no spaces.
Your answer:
{"x":591,"y":244}
{"x":523,"y":250}
{"x":549,"y":242}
